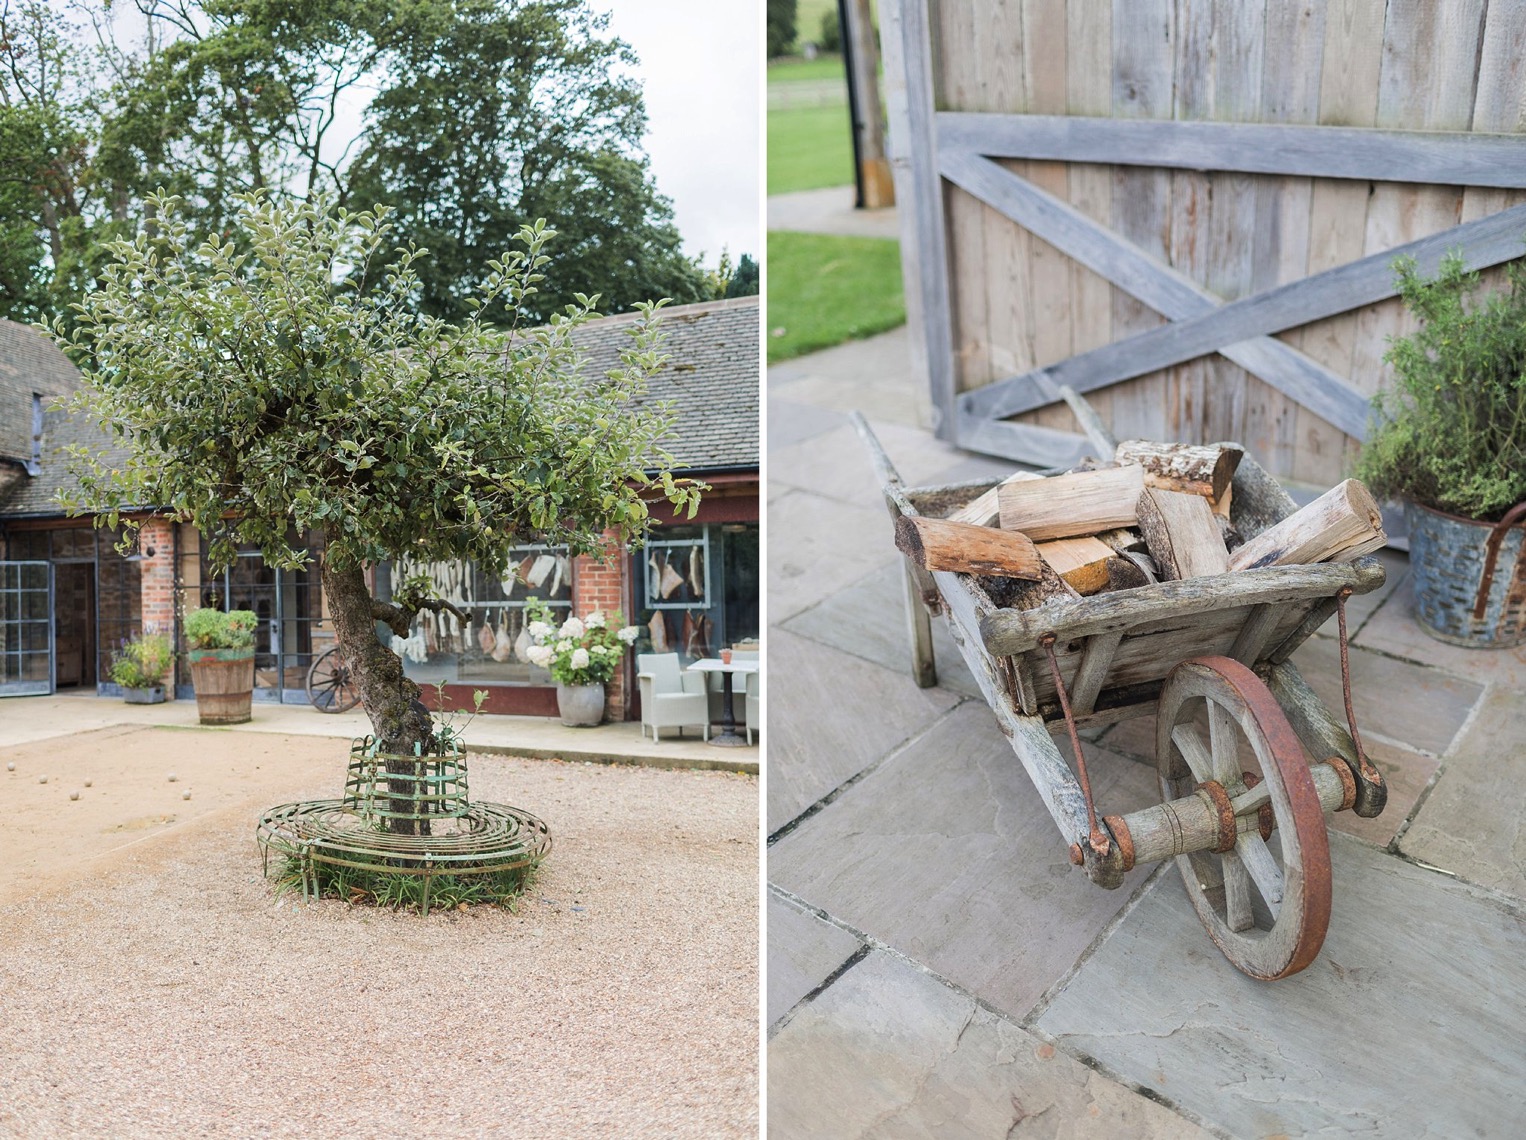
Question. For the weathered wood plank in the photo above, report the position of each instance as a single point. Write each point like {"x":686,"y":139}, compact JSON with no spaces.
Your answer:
{"x":1364,"y":154}
{"x":1488,"y":241}
{"x":1015,"y":631}
{"x":924,"y":247}
{"x":1025,"y":443}
{"x":1092,"y":672}
{"x":1159,"y":286}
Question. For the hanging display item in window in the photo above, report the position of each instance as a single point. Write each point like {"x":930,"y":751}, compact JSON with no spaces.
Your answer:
{"x":696,"y":572}
{"x":485,"y":636}
{"x":503,"y":644}
{"x":658,"y":628}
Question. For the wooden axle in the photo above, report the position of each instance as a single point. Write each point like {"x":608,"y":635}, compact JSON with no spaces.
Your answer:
{"x":1191,"y":823}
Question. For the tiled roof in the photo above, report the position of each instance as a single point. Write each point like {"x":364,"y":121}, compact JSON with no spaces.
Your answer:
{"x":34,"y":494}
{"x":29,"y":362}
{"x":710,"y":379}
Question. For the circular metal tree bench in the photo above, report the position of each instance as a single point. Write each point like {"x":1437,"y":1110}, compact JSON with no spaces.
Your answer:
{"x":441,"y":832}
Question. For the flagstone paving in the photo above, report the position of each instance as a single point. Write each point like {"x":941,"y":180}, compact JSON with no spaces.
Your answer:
{"x":968,"y":982}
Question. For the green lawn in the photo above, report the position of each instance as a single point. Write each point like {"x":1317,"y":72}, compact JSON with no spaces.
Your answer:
{"x":825,"y":290}
{"x":809,"y":147}
{"x":792,"y":67}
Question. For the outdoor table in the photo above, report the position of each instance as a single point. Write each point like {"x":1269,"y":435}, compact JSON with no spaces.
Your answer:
{"x":728,"y":737}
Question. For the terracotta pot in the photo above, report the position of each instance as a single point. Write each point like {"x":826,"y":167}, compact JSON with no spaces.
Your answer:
{"x":1450,"y":558}
{"x":581,"y":706}
{"x":224,"y":680}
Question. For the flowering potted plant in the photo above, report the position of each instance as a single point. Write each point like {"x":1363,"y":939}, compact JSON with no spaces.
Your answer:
{"x":140,"y":667}
{"x":581,"y":654}
{"x":221,"y":656}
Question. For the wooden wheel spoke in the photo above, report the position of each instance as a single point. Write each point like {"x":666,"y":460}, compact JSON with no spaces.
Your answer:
{"x":1190,"y":743}
{"x":1224,"y":745}
{"x":1263,"y":869}
{"x":1237,"y":908}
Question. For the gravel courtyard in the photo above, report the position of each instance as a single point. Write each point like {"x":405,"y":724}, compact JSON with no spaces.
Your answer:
{"x":154,"y":986}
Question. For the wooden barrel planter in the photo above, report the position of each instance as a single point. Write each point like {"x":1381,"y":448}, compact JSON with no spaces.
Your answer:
{"x":224,"y":680}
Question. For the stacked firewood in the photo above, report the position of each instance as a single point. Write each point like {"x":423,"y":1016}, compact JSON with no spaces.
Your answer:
{"x":1158,"y":512}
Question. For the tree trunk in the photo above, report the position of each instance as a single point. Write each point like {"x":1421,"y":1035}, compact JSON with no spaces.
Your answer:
{"x":391,"y":700}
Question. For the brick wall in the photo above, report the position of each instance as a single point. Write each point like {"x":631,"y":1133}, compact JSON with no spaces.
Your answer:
{"x":600,"y":585}
{"x":158,"y":575}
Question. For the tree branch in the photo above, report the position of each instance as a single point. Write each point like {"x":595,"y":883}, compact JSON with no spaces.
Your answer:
{"x":399,"y":618}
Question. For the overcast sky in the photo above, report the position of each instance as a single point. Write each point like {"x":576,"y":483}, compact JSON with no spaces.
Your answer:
{"x":701,"y":64}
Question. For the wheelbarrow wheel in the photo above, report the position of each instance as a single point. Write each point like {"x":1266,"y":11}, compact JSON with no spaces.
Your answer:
{"x":330,"y":685}
{"x":1264,"y":897}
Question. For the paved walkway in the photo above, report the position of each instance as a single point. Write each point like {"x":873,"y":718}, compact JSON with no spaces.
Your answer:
{"x":936,"y":967}
{"x":24,"y":719}
{"x":830,"y":211}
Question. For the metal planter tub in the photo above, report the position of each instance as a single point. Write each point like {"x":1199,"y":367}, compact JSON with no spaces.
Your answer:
{"x":1470,"y":577}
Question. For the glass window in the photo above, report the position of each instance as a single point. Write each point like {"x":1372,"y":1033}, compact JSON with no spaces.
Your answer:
{"x":697,"y":589}
{"x":490,"y":647}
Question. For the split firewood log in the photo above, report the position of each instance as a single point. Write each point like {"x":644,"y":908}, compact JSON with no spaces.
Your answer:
{"x":983,"y":510}
{"x":1342,"y":524}
{"x":1182,"y":534}
{"x":1083,"y":562}
{"x":1067,"y":506}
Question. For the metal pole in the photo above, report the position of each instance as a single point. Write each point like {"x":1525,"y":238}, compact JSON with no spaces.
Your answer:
{"x":861,"y":57}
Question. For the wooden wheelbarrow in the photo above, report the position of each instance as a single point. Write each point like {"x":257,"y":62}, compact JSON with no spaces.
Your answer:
{"x":1249,"y":759}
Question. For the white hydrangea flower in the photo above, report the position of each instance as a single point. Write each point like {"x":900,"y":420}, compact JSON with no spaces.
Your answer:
{"x":539,"y":655}
{"x":629,"y":635}
{"x":572,"y":627}
{"x":579,"y":658}
{"x":540,"y":630}
{"x":595,"y":620}
{"x":563,"y":645}
{"x":599,"y":649}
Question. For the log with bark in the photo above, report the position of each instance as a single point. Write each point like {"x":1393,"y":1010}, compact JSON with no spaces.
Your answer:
{"x":984,"y":510}
{"x":964,"y":548}
{"x":1083,"y":562}
{"x":1199,"y":469}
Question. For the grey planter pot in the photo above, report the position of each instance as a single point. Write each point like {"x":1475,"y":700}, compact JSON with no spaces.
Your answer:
{"x":153,"y":696}
{"x":1448,"y":555}
{"x":581,"y":706}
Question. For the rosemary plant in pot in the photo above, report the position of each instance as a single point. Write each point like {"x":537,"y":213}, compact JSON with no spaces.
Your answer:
{"x":581,"y":654}
{"x":1451,"y":442}
{"x":221,"y":655}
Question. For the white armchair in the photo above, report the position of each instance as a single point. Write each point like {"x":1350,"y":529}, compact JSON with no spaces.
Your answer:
{"x":670,"y":697}
{"x":754,"y":715}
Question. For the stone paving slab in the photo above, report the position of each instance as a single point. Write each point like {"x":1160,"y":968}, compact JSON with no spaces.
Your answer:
{"x":1393,"y":630}
{"x":1473,"y":823}
{"x":1361,"y":607}
{"x":947,"y":853}
{"x":872,"y":375}
{"x":790,"y":422}
{"x":1408,"y":1024}
{"x":889,"y":1052}
{"x":830,"y":716}
{"x":1400,"y":700}
{"x":803,"y":951}
{"x":837,"y":463}
{"x":817,"y":546}
{"x":868,"y":620}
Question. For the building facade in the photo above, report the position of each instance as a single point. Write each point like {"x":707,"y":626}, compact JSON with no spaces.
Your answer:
{"x":69,"y":596}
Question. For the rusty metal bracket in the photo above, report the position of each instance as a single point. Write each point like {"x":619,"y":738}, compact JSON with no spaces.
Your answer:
{"x":1371,"y":792}
{"x":1098,"y":838}
{"x":1491,"y":555}
{"x":1218,"y":799}
{"x":1266,"y":818}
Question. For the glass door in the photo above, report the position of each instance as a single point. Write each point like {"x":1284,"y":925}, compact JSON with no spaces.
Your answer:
{"x":26,"y":628}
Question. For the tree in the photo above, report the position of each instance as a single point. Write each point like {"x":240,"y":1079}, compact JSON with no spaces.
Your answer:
{"x":781,"y":27}
{"x":494,"y":114}
{"x":488,"y":114}
{"x":744,"y":282}
{"x":287,"y":383}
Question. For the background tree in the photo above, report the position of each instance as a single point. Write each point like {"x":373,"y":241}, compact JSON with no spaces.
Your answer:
{"x":743,"y":282}
{"x":781,"y":27}
{"x":287,"y":383}
{"x":487,"y":115}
